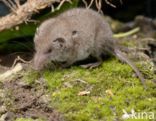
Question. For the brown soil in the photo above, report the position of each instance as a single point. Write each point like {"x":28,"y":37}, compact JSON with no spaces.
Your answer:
{"x":22,"y":100}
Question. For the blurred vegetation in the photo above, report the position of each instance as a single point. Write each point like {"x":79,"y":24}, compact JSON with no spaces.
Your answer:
{"x":28,"y":29}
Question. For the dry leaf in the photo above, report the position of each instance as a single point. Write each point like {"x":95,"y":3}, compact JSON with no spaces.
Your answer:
{"x":82,"y":93}
{"x":109,"y":92}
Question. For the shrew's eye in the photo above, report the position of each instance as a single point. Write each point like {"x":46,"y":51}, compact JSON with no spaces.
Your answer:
{"x":48,"y":51}
{"x":74,"y":32}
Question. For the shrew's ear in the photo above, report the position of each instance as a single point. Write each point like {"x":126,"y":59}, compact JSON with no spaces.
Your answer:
{"x":60,"y":41}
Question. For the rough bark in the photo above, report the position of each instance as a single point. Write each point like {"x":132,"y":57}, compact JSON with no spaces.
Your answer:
{"x":23,"y":13}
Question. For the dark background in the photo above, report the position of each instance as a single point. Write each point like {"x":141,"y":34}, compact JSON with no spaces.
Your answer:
{"x":124,"y":12}
{"x":131,"y":8}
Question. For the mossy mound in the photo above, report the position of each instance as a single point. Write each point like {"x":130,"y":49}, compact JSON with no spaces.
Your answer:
{"x":112,"y":88}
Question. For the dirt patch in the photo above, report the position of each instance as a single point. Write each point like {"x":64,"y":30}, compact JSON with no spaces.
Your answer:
{"x":20,"y":100}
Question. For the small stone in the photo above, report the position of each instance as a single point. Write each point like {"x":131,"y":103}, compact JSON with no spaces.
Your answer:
{"x":2,"y":109}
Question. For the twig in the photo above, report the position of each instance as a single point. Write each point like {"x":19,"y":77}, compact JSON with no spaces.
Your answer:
{"x":12,"y":4}
{"x":86,"y":4}
{"x":17,"y":3}
{"x":98,"y":5}
{"x":9,"y":5}
{"x":109,"y":3}
{"x":11,"y":72}
{"x":133,"y":31}
{"x":61,"y":3}
{"x":148,"y":39}
{"x":21,"y":60}
{"x":52,"y":8}
{"x":90,"y":4}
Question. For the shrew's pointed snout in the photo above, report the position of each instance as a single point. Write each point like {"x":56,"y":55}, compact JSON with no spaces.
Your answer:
{"x":39,"y":62}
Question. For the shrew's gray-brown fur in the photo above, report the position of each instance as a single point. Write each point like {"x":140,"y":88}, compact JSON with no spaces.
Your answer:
{"x":73,"y":36}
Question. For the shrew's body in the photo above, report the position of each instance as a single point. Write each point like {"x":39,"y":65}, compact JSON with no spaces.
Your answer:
{"x":73,"y":36}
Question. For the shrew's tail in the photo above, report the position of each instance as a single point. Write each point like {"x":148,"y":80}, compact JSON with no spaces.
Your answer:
{"x":122,"y":57}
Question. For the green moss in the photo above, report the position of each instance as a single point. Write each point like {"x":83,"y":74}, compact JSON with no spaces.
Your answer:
{"x":30,"y":77}
{"x":127,"y":92}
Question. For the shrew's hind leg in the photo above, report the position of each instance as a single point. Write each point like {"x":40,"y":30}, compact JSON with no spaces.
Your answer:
{"x":93,"y":64}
